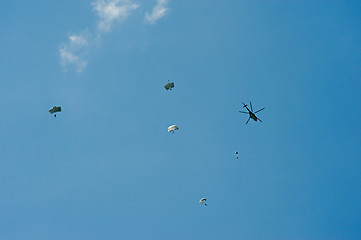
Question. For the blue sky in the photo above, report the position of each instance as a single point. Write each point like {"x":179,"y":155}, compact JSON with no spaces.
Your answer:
{"x":106,"y":167}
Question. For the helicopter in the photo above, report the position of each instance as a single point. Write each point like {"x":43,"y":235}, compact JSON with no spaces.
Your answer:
{"x":251,"y":113}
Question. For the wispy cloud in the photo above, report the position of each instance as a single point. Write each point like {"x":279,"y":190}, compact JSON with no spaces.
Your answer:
{"x":159,"y":11}
{"x":111,"y":11}
{"x":72,"y":52}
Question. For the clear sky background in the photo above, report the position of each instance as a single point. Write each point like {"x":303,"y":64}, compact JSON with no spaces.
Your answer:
{"x":106,"y":167}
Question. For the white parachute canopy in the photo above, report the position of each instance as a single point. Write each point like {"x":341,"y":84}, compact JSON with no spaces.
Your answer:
{"x":172,"y":128}
{"x":203,"y":201}
{"x":169,"y":86}
{"x":55,"y":109}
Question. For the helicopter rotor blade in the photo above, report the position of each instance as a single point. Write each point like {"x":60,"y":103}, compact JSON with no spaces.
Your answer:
{"x":251,"y":106}
{"x":259,"y":110}
{"x":248,"y":120}
{"x":243,"y":112}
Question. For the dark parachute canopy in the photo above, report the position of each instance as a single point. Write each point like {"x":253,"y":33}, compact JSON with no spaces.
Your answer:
{"x":55,"y":109}
{"x":169,"y":85}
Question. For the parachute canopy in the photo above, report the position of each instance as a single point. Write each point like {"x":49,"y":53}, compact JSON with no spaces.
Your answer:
{"x":169,"y":86}
{"x":172,"y":128}
{"x":55,"y":109}
{"x":203,"y":201}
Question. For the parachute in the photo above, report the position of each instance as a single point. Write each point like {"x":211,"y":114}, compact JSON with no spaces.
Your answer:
{"x":203,"y":201}
{"x":55,"y":109}
{"x":169,"y":85}
{"x":237,"y":155}
{"x":172,"y":128}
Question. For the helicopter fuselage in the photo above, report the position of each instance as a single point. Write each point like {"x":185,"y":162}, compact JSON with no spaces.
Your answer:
{"x":251,"y":114}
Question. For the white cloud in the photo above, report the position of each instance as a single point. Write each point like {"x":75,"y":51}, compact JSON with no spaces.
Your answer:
{"x":71,"y":53}
{"x":78,"y":40}
{"x":159,"y":11}
{"x":110,"y":11}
